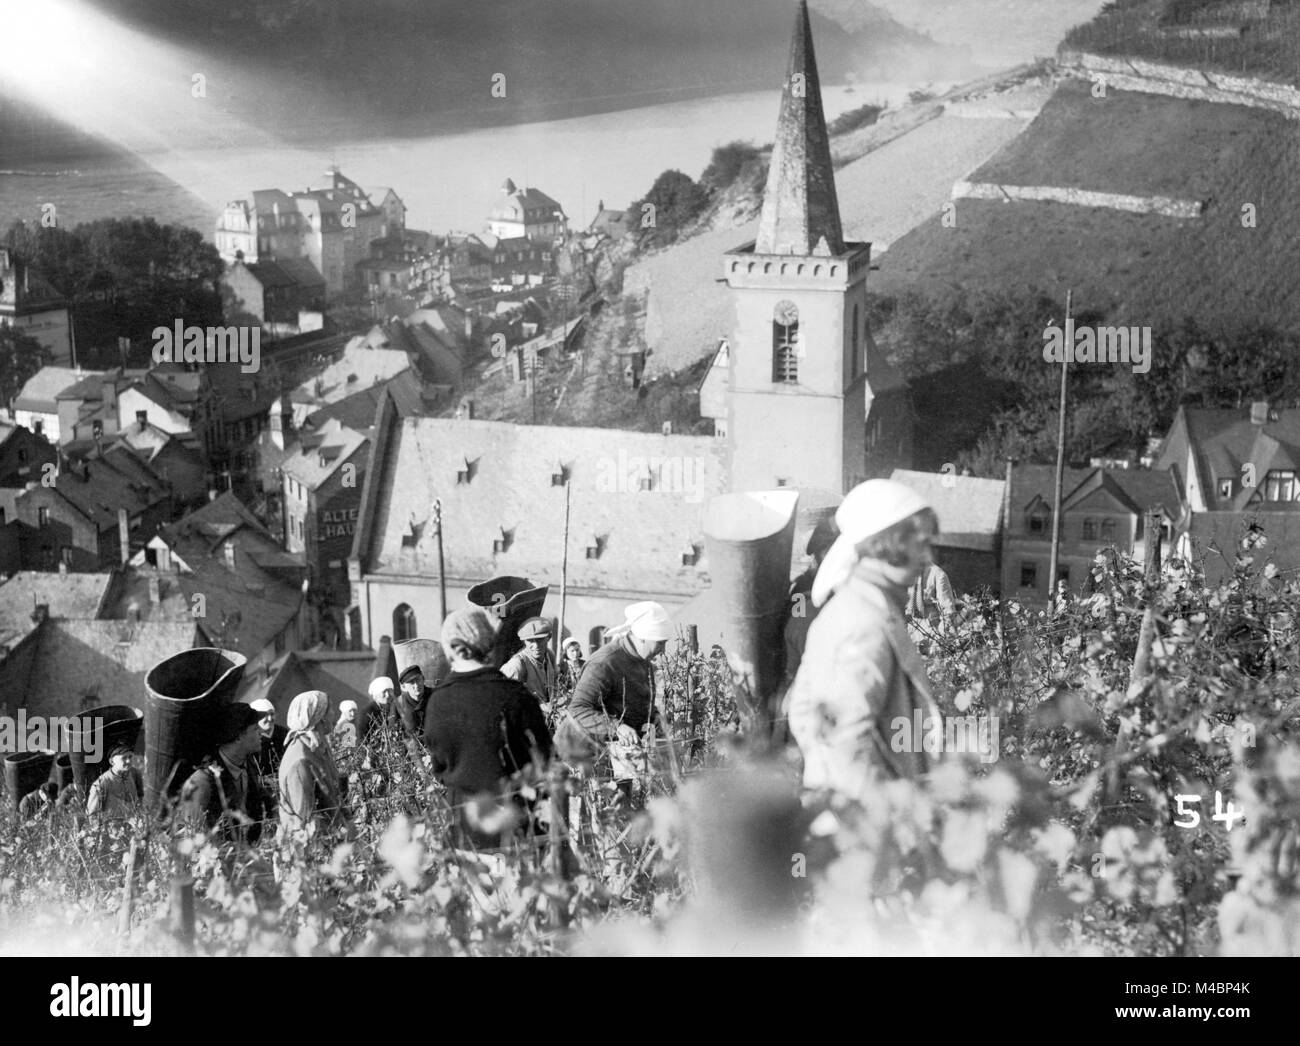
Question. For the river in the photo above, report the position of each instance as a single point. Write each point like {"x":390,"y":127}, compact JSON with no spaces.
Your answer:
{"x":448,"y":181}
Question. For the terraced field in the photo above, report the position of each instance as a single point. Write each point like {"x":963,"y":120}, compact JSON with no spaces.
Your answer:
{"x":1139,"y":269}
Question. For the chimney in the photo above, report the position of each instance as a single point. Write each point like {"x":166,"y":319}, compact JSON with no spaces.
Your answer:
{"x":1259,"y":412}
{"x":155,"y":592}
{"x":124,"y":535}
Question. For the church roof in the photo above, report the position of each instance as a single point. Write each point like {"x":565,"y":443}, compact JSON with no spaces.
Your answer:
{"x":801,"y":213}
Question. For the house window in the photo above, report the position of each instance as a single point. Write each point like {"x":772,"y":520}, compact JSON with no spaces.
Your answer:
{"x":42,"y":517}
{"x":22,"y":454}
{"x":1089,"y":530}
{"x":1225,"y":488}
{"x":785,"y":344}
{"x":1108,"y":531}
{"x":1280,"y":485}
{"x":403,"y":623}
{"x":1038,"y":521}
{"x":1028,"y":575}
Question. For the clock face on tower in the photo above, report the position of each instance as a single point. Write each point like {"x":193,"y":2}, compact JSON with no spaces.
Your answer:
{"x":786,"y":313}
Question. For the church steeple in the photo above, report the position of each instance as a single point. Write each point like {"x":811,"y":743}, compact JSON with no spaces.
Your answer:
{"x":801,"y":213}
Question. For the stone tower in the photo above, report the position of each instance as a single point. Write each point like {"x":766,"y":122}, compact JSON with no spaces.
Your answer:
{"x":812,"y":404}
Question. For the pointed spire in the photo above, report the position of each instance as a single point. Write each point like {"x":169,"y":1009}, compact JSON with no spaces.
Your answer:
{"x":801,"y":214}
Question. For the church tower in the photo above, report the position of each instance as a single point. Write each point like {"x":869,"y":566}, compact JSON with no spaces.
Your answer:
{"x":802,"y":412}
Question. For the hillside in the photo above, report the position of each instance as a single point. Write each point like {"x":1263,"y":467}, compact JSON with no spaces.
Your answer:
{"x":1248,"y":38}
{"x":1136,"y":269}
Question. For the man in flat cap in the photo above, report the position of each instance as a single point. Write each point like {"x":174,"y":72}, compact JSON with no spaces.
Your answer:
{"x":225,"y":794}
{"x":413,"y":702}
{"x":534,"y":666}
{"x":118,"y":791}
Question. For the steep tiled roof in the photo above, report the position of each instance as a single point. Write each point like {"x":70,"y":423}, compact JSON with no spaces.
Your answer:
{"x":969,"y":509}
{"x":42,"y":388}
{"x":249,"y":601}
{"x":98,"y":489}
{"x":1225,"y":439}
{"x":358,"y":410}
{"x":319,"y":455}
{"x":344,"y":675}
{"x":801,"y":213}
{"x":359,"y":368}
{"x":107,"y":659}
{"x":67,"y":596}
{"x":507,"y":495}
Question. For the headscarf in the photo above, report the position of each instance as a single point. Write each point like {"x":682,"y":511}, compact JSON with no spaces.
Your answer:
{"x":378,"y":687}
{"x":867,"y":510}
{"x":469,"y":627}
{"x":262,"y":706}
{"x":305,"y":714}
{"x":648,"y":622}
{"x":345,"y":707}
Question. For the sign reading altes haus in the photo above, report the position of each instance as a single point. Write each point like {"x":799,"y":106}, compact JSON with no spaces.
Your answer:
{"x":336,"y":523}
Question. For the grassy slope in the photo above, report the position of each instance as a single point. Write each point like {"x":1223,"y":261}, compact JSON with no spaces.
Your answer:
{"x":1269,"y":51}
{"x":1140,"y":269}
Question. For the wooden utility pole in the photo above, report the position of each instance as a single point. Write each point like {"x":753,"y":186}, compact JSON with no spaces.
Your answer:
{"x":442,"y":569}
{"x":564,"y":571}
{"x":1060,"y":462}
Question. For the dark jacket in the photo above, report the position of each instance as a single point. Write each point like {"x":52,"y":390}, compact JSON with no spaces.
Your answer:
{"x":211,"y":799}
{"x":479,"y":729}
{"x":617,"y":686}
{"x":412,"y":715}
{"x":268,"y":759}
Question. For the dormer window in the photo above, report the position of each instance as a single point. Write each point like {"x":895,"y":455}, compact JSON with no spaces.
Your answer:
{"x":501,"y":543}
{"x":1037,"y":519}
{"x":464,"y":473}
{"x":690,"y":555}
{"x":595,"y":546}
{"x":559,"y":475}
{"x":646,"y":480}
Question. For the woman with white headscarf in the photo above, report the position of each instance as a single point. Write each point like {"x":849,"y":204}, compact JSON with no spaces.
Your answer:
{"x":860,"y":673}
{"x":309,"y":778}
{"x":614,"y":701}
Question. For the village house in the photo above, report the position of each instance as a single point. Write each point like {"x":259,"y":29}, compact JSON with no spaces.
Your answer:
{"x":97,"y":510}
{"x":23,"y":457}
{"x":1238,"y":472}
{"x":284,"y":298}
{"x":321,"y":494}
{"x":1100,"y":508}
{"x":343,"y":675}
{"x":62,"y":653}
{"x":526,"y":214}
{"x":331,"y":227}
{"x":31,"y":305}
{"x":36,"y":407}
{"x":224,"y":571}
{"x":364,"y":363}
